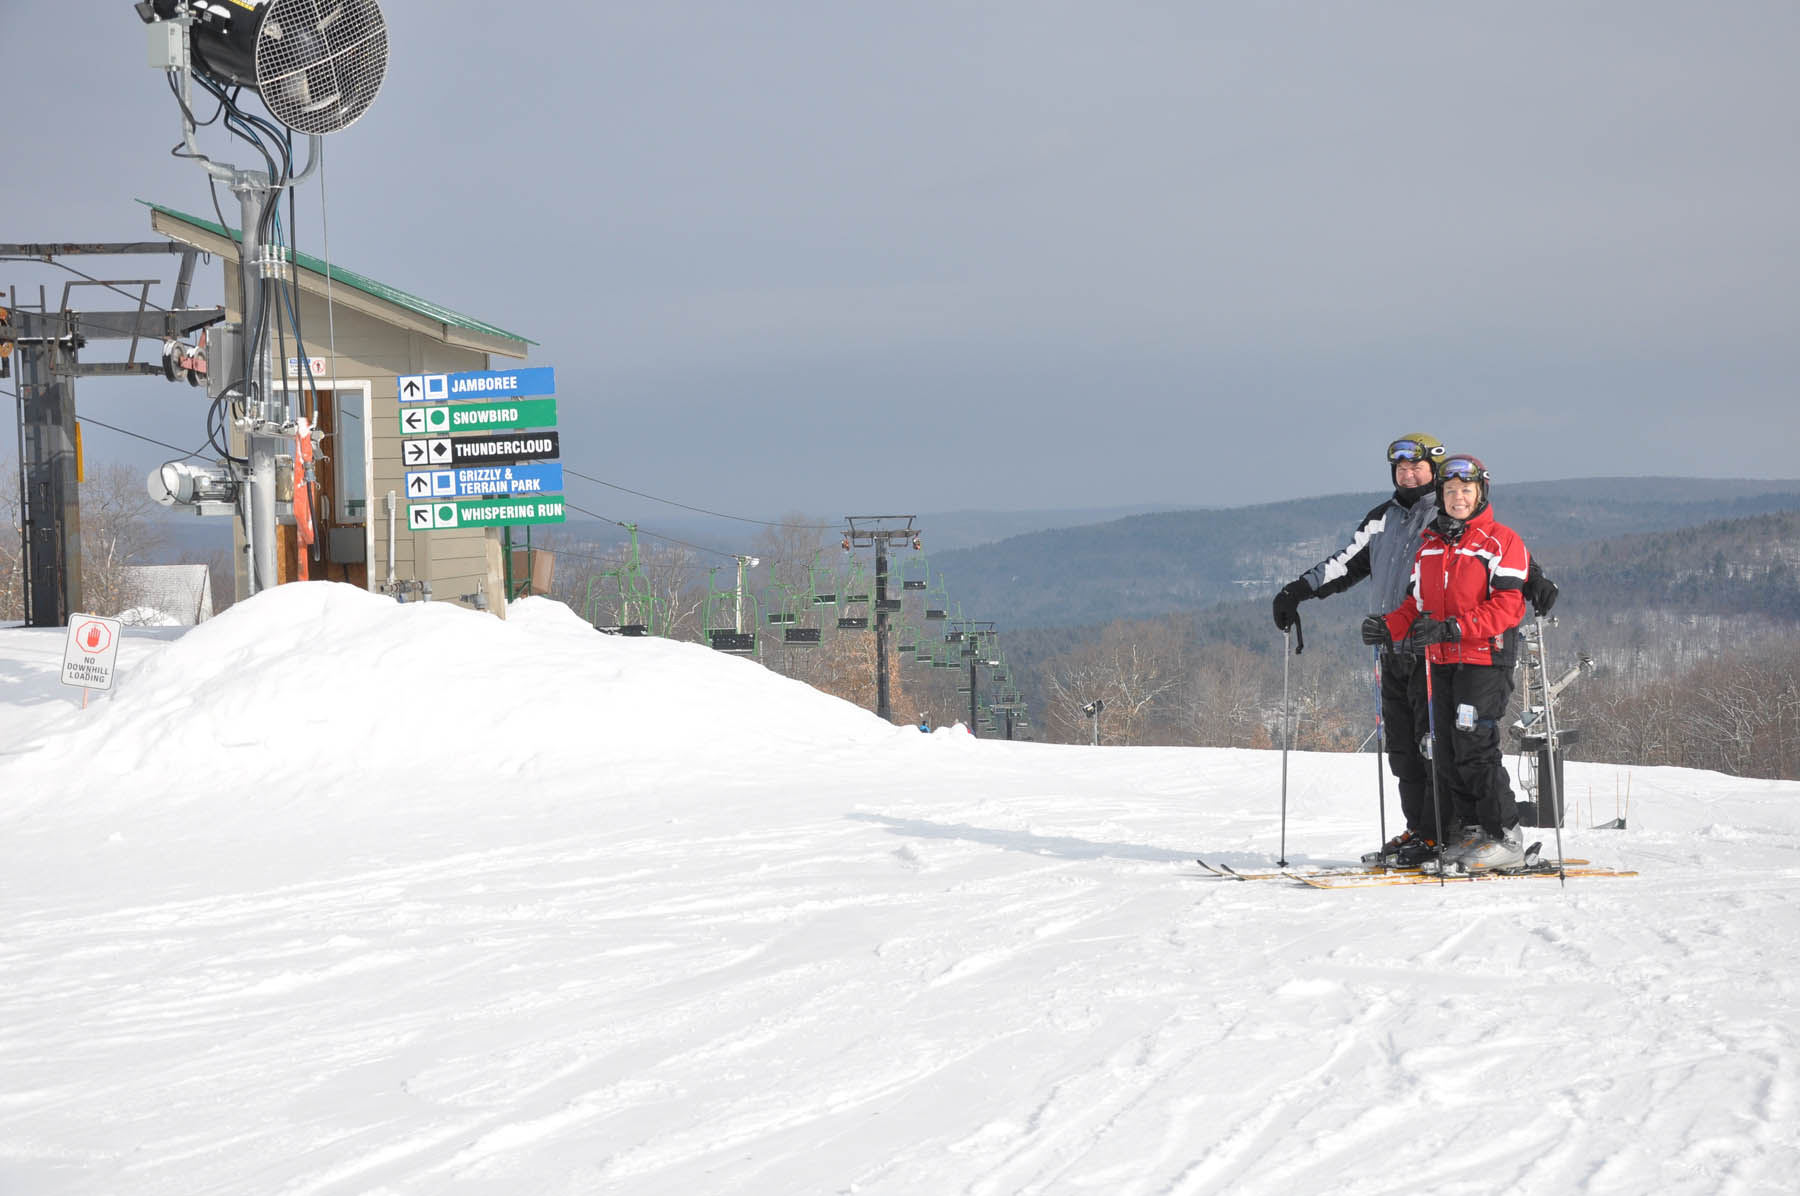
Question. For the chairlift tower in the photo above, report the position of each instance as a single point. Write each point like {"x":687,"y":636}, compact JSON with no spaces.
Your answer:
{"x":878,"y":532}
{"x":47,"y":342}
{"x":977,"y":637}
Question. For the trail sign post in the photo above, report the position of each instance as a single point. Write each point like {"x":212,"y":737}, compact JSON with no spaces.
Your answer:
{"x":471,"y":461}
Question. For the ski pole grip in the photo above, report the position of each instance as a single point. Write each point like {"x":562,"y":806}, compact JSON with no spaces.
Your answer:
{"x":1299,"y":635}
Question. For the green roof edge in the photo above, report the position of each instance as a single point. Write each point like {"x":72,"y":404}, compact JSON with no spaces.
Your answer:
{"x":360,"y":282}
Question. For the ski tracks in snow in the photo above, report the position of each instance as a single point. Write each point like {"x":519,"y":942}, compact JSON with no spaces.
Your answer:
{"x":893,"y":995}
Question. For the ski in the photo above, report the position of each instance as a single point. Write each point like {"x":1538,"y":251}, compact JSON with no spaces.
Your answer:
{"x":1227,"y":872}
{"x":1540,"y":871}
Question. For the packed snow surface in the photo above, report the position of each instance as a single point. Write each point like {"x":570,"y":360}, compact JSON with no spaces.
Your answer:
{"x":332,"y":896}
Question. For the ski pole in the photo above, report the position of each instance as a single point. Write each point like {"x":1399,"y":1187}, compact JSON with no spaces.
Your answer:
{"x":1552,"y":753}
{"x":1286,"y":733}
{"x":1380,"y":765}
{"x":1437,"y":800}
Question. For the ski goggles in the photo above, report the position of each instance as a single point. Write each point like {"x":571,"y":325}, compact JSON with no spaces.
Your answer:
{"x":1412,"y":450}
{"x":1463,"y":469}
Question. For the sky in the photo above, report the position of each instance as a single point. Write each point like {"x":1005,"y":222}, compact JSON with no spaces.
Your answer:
{"x":840,"y":258}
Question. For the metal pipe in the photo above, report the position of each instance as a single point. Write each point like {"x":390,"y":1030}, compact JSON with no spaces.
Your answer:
{"x":252,"y":192}
{"x":883,"y":707}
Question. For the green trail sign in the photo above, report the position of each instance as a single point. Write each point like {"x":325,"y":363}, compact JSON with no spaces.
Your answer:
{"x":482,"y":512}
{"x":438,"y":419}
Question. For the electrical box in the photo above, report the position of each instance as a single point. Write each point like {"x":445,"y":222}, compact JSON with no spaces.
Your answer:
{"x":224,"y":357}
{"x":167,"y":47}
{"x":345,"y":545}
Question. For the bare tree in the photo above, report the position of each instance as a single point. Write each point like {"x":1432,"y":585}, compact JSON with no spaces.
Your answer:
{"x":1132,"y":667}
{"x":117,"y":532}
{"x":1225,"y":696}
{"x":788,"y":552}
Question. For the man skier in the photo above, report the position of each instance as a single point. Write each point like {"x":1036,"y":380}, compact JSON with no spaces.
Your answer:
{"x":1382,"y":548}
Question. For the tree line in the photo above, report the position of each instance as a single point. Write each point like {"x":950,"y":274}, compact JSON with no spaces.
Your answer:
{"x":1664,"y":689}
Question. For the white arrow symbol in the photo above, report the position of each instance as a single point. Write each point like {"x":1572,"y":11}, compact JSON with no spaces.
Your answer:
{"x":412,"y":386}
{"x":412,"y":421}
{"x":420,"y":485}
{"x":413,"y":451}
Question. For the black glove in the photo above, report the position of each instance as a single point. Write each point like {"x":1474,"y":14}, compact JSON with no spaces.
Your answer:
{"x":1375,"y":631}
{"x":1540,"y":591}
{"x":1427,"y":630}
{"x":1287,"y":603}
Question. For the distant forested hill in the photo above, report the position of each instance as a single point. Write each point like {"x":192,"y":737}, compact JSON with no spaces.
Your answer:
{"x":1154,"y":564}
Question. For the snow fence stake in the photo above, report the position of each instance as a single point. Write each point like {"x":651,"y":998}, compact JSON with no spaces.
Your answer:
{"x":1551,"y":746}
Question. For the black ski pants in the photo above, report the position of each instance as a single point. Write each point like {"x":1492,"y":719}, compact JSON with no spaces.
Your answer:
{"x":1404,"y":723}
{"x":1469,"y":700}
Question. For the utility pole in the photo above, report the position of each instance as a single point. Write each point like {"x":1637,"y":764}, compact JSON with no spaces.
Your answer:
{"x":48,"y":342}
{"x":876,"y":531}
{"x":743,"y":563}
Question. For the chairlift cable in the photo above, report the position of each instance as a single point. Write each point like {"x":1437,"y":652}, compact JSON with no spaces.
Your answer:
{"x":820,"y":527}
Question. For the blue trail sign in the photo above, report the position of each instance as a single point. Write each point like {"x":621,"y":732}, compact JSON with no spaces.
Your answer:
{"x":477,"y":384}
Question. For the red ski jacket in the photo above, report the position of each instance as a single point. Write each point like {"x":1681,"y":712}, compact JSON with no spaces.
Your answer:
{"x":1475,"y":581}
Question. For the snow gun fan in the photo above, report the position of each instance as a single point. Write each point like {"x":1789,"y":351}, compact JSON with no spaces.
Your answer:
{"x":317,"y":64}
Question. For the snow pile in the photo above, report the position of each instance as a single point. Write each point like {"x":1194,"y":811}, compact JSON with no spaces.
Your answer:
{"x":335,"y":896}
{"x":327,"y":679}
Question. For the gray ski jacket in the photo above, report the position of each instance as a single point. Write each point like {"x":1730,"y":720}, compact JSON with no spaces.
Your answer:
{"x":1382,"y":548}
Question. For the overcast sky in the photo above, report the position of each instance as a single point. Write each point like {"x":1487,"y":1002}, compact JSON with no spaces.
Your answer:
{"x":842,"y":257}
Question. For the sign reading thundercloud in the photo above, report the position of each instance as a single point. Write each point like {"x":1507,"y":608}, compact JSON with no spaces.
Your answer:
{"x":501,"y":449}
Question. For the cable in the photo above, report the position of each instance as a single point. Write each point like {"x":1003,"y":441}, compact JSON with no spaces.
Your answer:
{"x":652,"y":535}
{"x":88,"y":419}
{"x":606,"y":559}
{"x":809,"y":527}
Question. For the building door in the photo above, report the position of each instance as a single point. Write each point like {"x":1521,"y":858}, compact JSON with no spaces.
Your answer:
{"x":340,"y":492}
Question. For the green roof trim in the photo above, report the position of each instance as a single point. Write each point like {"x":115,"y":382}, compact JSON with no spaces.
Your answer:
{"x":360,"y":282}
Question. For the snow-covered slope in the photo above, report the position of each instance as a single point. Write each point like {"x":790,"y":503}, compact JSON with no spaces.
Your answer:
{"x":338,"y":896}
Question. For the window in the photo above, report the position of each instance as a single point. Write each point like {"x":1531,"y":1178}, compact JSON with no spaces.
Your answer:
{"x":351,"y":458}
